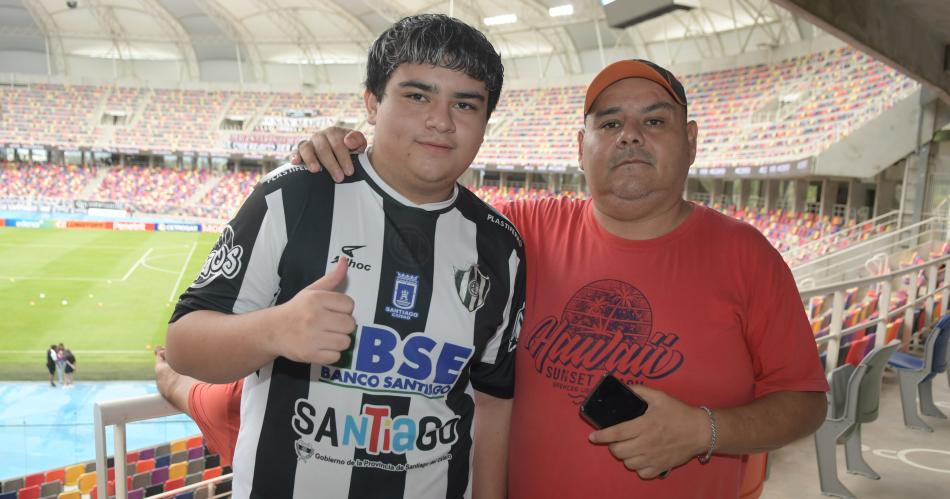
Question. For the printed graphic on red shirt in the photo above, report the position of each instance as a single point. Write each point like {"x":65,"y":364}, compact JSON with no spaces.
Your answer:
{"x":606,"y":326}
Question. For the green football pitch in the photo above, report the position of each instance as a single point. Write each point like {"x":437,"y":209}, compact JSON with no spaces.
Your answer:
{"x":107,"y":295}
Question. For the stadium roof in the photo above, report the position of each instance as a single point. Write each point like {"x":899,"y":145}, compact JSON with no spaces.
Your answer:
{"x":257,"y":32}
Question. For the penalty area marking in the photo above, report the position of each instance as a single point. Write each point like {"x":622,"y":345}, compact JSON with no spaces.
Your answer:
{"x":137,"y":263}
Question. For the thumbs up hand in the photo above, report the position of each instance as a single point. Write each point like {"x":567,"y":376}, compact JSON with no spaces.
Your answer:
{"x":318,"y":322}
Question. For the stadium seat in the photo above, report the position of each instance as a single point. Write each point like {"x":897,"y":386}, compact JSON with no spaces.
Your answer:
{"x":185,"y":495}
{"x":72,"y":494}
{"x":154,"y":490}
{"x":31,"y":492}
{"x":212,"y":460}
{"x":192,"y":478}
{"x":211,"y":473}
{"x":854,"y":399}
{"x":144,"y":465}
{"x":201,"y":493}
{"x":195,"y":453}
{"x":90,"y":466}
{"x":146,"y":453}
{"x":159,"y":475}
{"x":72,"y":474}
{"x":13,"y":484}
{"x":9,"y":495}
{"x":141,"y":480}
{"x":162,"y":450}
{"x":179,"y":446}
{"x":138,"y":493}
{"x":132,"y":457}
{"x":54,"y":475}
{"x":196,"y":466}
{"x":857,"y":349}
{"x":194,"y":442}
{"x":162,"y":461}
{"x":175,"y":483}
{"x":221,"y":487}
{"x":177,"y":470}
{"x":51,"y":488}
{"x":180,"y":456}
{"x":916,"y":376}
{"x":86,"y":482}
{"x":34,"y":479}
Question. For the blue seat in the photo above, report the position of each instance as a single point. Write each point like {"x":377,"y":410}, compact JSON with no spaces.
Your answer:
{"x":916,"y":375}
{"x":8,"y":495}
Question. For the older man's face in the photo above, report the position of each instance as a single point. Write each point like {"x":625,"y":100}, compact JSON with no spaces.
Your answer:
{"x":636,"y":148}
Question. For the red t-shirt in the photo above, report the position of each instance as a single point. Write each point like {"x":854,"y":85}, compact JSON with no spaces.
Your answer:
{"x":708,"y":313}
{"x":217,"y":411}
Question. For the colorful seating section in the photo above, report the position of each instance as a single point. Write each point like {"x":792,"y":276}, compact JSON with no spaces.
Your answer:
{"x":787,"y":230}
{"x":150,"y":190}
{"x":763,"y":114}
{"x":149,"y":472}
{"x":43,"y":181}
{"x":495,"y":195}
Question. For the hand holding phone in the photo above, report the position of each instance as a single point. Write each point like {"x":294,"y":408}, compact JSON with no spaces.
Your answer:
{"x":611,"y":402}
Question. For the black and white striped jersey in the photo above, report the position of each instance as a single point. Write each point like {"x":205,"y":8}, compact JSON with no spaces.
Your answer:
{"x":439,"y":297}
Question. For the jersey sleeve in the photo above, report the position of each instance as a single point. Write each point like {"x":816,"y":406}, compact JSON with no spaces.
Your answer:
{"x":494,"y":372}
{"x":784,"y":353}
{"x":241,"y":273}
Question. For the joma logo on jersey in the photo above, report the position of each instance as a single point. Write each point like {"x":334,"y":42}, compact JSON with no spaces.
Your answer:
{"x":380,"y":360}
{"x":373,"y":430}
{"x":224,"y":260}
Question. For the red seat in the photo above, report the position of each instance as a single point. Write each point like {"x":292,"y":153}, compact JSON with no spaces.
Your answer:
{"x":31,"y":492}
{"x":195,"y":442}
{"x":52,"y":476}
{"x":211,"y":473}
{"x":859,"y":346}
{"x":145,"y":465}
{"x":174,"y":483}
{"x":34,"y":479}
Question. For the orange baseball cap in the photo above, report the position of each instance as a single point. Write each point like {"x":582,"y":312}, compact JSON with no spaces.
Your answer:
{"x":633,"y":68}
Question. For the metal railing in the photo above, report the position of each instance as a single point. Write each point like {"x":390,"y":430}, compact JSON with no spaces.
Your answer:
{"x":117,"y":413}
{"x":800,"y":253}
{"x":850,"y":263}
{"x":885,"y":285}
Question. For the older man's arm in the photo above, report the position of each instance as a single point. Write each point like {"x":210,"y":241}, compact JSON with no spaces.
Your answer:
{"x":671,"y":432}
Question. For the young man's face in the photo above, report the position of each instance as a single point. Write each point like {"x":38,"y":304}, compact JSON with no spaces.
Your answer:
{"x":429,"y":126}
{"x":636,"y":148}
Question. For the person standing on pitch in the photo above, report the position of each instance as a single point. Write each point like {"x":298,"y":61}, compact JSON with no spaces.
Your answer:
{"x":376,"y":339}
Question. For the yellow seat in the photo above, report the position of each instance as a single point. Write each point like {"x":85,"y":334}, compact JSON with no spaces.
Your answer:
{"x":87,"y":481}
{"x":73,"y":494}
{"x":72,"y":474}
{"x":179,"y":445}
{"x":178,"y":470}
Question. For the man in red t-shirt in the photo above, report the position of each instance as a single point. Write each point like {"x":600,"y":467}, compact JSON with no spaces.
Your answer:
{"x":693,"y":310}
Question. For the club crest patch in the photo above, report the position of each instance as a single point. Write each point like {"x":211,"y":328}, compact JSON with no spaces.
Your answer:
{"x":472,"y":286}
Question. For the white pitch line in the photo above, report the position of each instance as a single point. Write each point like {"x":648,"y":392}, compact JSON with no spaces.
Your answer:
{"x":181,"y":274}
{"x":49,"y":278}
{"x":136,"y":264}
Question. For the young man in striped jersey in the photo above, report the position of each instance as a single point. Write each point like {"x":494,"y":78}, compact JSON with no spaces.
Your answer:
{"x":373,"y":321}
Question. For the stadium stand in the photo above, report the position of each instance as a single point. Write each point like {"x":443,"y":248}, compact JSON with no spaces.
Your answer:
{"x":792,"y":109}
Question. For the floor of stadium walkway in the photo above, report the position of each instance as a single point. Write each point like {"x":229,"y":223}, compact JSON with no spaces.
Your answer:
{"x":924,"y":474}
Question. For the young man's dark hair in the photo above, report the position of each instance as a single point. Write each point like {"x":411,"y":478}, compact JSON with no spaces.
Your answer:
{"x":438,"y":40}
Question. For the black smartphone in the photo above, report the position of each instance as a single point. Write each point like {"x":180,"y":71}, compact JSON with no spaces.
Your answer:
{"x":611,"y":402}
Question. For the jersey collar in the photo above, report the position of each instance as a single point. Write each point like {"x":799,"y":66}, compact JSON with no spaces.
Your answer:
{"x":374,"y":177}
